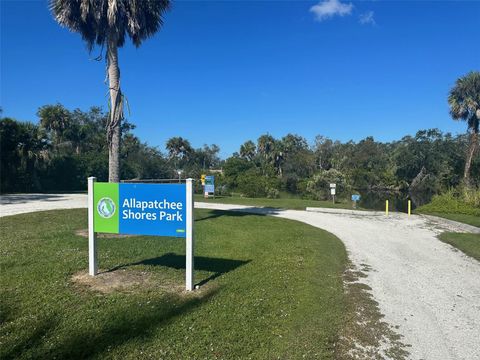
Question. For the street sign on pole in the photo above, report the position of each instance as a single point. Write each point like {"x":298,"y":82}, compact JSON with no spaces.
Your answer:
{"x":209,"y":187}
{"x":355,"y":198}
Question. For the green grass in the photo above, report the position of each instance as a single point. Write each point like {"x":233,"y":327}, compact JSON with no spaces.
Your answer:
{"x":473,"y":220}
{"x":271,"y":288}
{"x":282,"y":203}
{"x":468,"y":243}
{"x":455,"y":204}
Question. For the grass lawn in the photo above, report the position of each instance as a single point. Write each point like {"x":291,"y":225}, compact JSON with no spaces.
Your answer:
{"x":282,"y":203}
{"x":466,"y":219}
{"x":468,"y":243}
{"x":270,"y":288}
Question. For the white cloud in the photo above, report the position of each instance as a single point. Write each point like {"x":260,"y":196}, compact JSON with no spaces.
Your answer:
{"x":367,"y":18}
{"x":329,"y":8}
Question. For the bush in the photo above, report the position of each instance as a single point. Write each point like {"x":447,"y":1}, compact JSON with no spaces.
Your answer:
{"x":455,"y":201}
{"x":318,"y":187}
{"x":252,"y":184}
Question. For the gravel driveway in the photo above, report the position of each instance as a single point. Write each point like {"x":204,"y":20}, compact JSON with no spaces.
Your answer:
{"x":425,"y":288}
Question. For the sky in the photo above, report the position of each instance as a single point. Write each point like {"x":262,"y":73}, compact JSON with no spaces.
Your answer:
{"x":223,"y":72}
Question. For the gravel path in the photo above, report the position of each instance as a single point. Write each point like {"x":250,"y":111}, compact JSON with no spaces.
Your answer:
{"x":426,"y":288}
{"x":12,"y":204}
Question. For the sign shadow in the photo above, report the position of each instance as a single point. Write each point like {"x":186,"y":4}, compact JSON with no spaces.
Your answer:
{"x":217,"y":266}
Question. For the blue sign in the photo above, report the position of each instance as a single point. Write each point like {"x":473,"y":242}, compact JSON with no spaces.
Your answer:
{"x":153,"y":209}
{"x":209,"y":184}
{"x":143,"y":209}
{"x":355,"y":197}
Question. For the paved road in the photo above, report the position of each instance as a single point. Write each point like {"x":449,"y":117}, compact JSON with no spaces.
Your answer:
{"x":423,"y":286}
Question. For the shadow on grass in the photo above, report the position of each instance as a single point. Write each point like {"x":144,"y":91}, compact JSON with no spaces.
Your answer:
{"x":6,"y":199}
{"x":240,"y":212}
{"x":214,"y":265}
{"x":40,"y":330}
{"x":128,"y":325}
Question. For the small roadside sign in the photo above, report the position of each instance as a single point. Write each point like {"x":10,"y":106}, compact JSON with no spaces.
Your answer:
{"x":332,"y":191}
{"x":209,"y":187}
{"x":355,"y":197}
{"x":332,"y":185}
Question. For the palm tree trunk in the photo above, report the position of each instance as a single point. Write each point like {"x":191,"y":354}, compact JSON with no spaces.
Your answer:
{"x":471,"y":152}
{"x":116,"y":112}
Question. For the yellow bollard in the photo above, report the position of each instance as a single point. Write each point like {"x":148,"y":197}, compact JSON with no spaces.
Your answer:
{"x":386,"y":207}
{"x":409,"y":207}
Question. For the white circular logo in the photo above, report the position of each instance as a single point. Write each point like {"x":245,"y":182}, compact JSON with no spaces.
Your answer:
{"x":106,"y":207}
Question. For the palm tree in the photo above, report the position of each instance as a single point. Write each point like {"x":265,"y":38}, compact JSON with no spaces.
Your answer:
{"x":108,"y":23}
{"x":179,"y":149}
{"x":248,"y":150}
{"x":464,"y":101}
{"x":55,"y":119}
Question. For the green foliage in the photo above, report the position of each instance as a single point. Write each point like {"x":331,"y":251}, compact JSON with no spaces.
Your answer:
{"x":253,"y":184}
{"x":67,"y":146}
{"x":460,"y":201}
{"x":318,"y":187}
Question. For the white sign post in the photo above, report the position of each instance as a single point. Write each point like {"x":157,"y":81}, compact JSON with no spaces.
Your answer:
{"x":332,"y":191}
{"x":189,"y":238}
{"x":92,"y":236}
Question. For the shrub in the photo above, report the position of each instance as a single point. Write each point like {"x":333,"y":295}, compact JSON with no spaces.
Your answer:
{"x":455,"y":201}
{"x":318,"y":187}
{"x":253,"y":184}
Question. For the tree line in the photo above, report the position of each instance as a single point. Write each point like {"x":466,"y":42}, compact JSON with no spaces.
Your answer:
{"x":65,"y":147}
{"x":429,"y":162}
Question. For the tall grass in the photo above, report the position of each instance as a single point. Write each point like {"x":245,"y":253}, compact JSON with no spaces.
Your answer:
{"x":455,"y":201}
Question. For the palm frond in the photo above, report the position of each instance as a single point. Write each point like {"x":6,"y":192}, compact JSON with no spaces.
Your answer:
{"x":99,"y":20}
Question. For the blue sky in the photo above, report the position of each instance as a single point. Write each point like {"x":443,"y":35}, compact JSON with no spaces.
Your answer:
{"x":228,"y":71}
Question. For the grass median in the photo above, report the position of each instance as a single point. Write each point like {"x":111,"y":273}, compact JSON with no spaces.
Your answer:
{"x":270,"y":288}
{"x":473,"y":220}
{"x":281,"y":203}
{"x":468,"y":243}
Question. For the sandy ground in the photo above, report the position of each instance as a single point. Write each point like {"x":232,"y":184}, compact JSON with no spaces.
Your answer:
{"x":13,"y":204}
{"x":425,"y":288}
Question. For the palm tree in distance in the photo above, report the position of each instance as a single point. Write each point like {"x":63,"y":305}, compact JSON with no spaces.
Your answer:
{"x":248,"y":150}
{"x":464,"y":101}
{"x":108,"y":23}
{"x":179,"y":150}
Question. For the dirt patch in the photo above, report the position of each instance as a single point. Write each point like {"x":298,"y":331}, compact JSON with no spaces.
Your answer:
{"x":365,"y":335}
{"x":84,"y":233}
{"x":127,"y":281}
{"x":108,"y":282}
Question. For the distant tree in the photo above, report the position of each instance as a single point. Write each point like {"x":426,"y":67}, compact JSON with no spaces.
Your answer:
{"x":323,"y":152}
{"x":464,"y":101}
{"x":265,"y":146}
{"x":108,"y":23}
{"x":292,"y":143}
{"x":248,"y":150}
{"x":55,"y":119}
{"x":179,"y":150}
